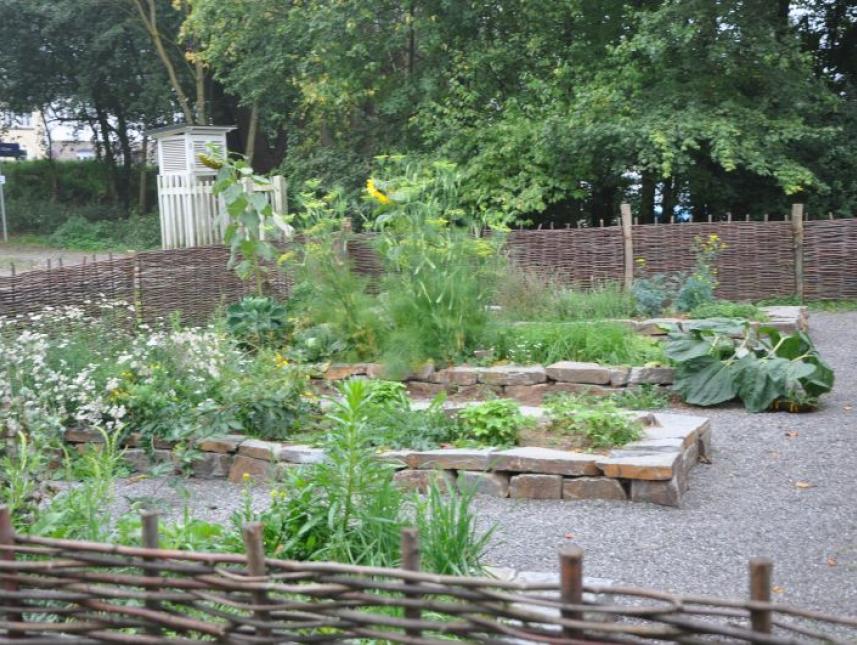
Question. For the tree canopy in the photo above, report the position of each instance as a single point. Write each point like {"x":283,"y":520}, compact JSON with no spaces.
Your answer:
{"x":552,"y":111}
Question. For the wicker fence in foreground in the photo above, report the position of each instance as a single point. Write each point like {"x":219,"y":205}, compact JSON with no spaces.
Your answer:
{"x":760,"y":261}
{"x":62,"y":591}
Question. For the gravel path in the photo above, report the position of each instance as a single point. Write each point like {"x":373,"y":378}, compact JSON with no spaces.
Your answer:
{"x":751,"y":501}
{"x":29,"y":258}
{"x":746,"y":503}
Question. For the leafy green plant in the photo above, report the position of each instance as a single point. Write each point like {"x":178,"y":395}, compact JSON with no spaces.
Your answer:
{"x":641,"y":397}
{"x":717,"y":361}
{"x":728,"y":309}
{"x":653,"y":294}
{"x":21,"y":473}
{"x":398,"y":426}
{"x":492,"y":423}
{"x":257,"y":321}
{"x":600,"y":420}
{"x":252,"y":220}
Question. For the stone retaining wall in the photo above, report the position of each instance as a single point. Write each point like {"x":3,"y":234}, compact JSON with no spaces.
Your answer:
{"x":527,"y":384}
{"x":654,"y":469}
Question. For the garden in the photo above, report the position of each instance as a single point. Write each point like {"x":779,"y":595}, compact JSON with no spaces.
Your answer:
{"x":367,"y":401}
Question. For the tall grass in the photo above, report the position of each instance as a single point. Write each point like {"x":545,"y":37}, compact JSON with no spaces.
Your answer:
{"x":523,"y":295}
{"x":546,"y":342}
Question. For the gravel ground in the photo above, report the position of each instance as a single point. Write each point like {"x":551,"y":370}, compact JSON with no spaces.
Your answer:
{"x":751,"y":501}
{"x":780,"y":485}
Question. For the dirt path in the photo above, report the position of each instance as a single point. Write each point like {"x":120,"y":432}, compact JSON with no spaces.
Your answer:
{"x":27,"y":257}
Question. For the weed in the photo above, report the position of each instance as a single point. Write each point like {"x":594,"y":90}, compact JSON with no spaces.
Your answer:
{"x":492,"y":423}
{"x":601,"y":421}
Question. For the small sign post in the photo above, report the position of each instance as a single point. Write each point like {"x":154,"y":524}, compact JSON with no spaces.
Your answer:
{"x":3,"y":206}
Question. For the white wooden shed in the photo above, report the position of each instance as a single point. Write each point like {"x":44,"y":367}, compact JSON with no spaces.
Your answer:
{"x":191,"y":215}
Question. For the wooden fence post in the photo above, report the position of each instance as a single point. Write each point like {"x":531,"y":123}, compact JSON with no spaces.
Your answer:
{"x":571,"y":586}
{"x":797,"y":228}
{"x":256,"y":568}
{"x":411,"y":562}
{"x":628,"y":245}
{"x":7,"y":538}
{"x":149,"y":521}
{"x":760,"y":590}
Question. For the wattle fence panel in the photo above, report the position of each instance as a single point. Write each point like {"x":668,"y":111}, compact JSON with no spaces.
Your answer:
{"x":758,"y":262}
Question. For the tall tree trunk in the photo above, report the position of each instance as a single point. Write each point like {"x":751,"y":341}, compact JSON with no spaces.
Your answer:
{"x":149,"y":15}
{"x":668,"y":200}
{"x":603,"y":203}
{"x":647,"y":199}
{"x":127,"y":161}
{"x":107,"y":146}
{"x":143,"y":195}
{"x":252,"y":127}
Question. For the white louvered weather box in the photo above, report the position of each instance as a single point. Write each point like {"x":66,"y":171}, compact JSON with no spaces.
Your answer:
{"x":191,"y":215}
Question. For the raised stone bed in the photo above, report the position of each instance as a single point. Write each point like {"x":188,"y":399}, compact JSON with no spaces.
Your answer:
{"x":654,"y":469}
{"x":787,"y":319}
{"x":527,"y":384}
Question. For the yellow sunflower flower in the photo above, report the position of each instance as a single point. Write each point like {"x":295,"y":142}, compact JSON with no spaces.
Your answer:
{"x":377,"y":193}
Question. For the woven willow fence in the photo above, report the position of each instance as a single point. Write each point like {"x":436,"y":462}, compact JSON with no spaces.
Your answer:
{"x":63,"y":591}
{"x":761,"y":260}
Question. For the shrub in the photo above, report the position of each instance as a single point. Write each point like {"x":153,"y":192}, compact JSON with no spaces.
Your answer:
{"x":653,"y":294}
{"x":257,"y":321}
{"x":599,"y":420}
{"x":492,"y":423}
{"x":136,"y":232}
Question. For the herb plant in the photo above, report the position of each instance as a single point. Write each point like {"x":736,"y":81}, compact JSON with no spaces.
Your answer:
{"x":492,"y":423}
{"x":600,"y":420}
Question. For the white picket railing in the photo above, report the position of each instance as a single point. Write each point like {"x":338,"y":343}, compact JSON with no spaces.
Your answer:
{"x":192,"y":215}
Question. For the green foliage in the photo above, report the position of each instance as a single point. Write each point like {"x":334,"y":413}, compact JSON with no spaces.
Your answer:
{"x":257,"y":321}
{"x":252,"y":220}
{"x":78,"y":233}
{"x":600,"y":420}
{"x":653,"y":294}
{"x":719,"y":360}
{"x":492,"y":423}
{"x":641,"y":397}
{"x":23,"y":466}
{"x":440,"y":273}
{"x":525,"y":296}
{"x":450,"y":543}
{"x":546,"y":343}
{"x":728,"y":309}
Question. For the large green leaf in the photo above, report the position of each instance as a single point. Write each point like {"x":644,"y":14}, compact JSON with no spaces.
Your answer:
{"x":706,"y":381}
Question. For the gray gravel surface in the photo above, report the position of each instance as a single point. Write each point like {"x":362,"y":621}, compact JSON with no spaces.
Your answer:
{"x":780,"y":485}
{"x":747,"y":503}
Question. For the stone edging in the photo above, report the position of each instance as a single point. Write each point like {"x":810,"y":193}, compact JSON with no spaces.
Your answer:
{"x":654,"y":469}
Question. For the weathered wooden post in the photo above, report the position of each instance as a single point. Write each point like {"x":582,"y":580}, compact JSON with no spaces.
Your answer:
{"x":256,"y":568}
{"x":760,"y":590}
{"x":628,"y":245}
{"x":797,"y":229}
{"x":571,"y":586}
{"x":411,"y":562}
{"x":149,"y":521}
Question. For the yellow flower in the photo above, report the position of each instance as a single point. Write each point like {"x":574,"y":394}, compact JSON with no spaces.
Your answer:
{"x":246,"y":477}
{"x":376,"y":192}
{"x":280,"y":360}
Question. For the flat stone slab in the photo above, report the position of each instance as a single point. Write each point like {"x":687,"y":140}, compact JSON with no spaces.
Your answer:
{"x":339,"y":371}
{"x":452,"y":458}
{"x":512,"y":375}
{"x":651,"y":376}
{"x":258,"y":449}
{"x":422,"y":480}
{"x":493,"y":484}
{"x":528,"y":486}
{"x":630,"y":465}
{"x":671,"y":426}
{"x":462,"y":375}
{"x":545,"y":460}
{"x":656,"y":326}
{"x":576,"y":372}
{"x":578,"y":488}
{"x":301,"y":454}
{"x":225,"y":444}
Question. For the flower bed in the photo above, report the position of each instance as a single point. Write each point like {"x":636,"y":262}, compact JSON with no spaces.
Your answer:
{"x":652,"y":469}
